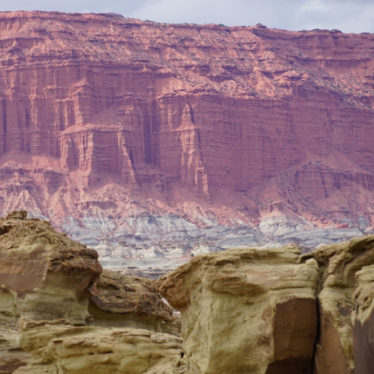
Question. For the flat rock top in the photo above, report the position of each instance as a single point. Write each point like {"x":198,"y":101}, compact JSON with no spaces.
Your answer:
{"x":240,"y":272}
{"x":235,"y":61}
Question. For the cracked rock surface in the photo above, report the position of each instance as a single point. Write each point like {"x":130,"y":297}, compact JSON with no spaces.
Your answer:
{"x":248,"y":310}
{"x":276,"y":311}
{"x":60,"y":314}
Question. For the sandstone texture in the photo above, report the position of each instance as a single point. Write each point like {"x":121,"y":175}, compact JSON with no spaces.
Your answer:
{"x":59,"y":348}
{"x":59,"y":313}
{"x":11,"y":355}
{"x":122,"y":300}
{"x":43,"y":274}
{"x":157,"y":140}
{"x":345,"y":307}
{"x":277,"y":311}
{"x":246,"y":311}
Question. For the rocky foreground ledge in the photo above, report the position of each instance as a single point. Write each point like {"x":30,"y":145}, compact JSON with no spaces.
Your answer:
{"x":270,"y":311}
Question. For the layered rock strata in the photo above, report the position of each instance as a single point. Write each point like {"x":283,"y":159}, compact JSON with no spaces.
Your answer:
{"x":43,"y":274}
{"x":345,"y":343}
{"x":363,"y":321}
{"x":138,"y":137}
{"x":70,"y":349}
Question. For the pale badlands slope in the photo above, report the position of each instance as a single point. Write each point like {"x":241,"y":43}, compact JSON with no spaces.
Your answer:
{"x":144,"y":139}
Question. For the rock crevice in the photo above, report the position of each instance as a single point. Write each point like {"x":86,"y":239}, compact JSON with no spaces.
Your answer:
{"x":259,"y":311}
{"x":276,"y":311}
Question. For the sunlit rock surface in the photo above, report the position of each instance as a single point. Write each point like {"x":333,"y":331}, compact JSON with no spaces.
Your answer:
{"x":60,"y":313}
{"x":149,"y":140}
{"x":246,"y":311}
{"x":47,"y":269}
{"x":276,"y":311}
{"x":345,"y":343}
{"x":96,"y":350}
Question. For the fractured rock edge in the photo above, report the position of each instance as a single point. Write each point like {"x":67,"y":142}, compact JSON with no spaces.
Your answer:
{"x":276,"y":310}
{"x":264,"y":311}
{"x":60,"y":313}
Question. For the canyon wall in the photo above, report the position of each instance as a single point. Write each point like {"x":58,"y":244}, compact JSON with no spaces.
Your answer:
{"x":138,"y":138}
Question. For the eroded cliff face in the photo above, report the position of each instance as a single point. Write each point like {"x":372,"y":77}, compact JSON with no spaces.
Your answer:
{"x":135,"y":136}
{"x":57,"y":347}
{"x":277,"y":311}
{"x":260,"y":311}
{"x":345,"y":307}
{"x":47,"y":269}
{"x":246,"y":311}
{"x":60,"y":313}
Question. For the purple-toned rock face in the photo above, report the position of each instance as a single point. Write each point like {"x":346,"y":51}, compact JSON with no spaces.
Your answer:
{"x":103,"y":118}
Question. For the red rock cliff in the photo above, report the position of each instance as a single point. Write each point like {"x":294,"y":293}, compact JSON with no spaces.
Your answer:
{"x":107,"y":118}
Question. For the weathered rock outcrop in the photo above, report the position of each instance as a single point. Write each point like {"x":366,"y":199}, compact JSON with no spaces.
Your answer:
{"x":259,"y":311}
{"x":345,"y":342}
{"x":70,"y":349}
{"x":246,"y":311}
{"x":363,"y":320}
{"x":143,"y":136}
{"x":123,"y":300}
{"x":277,"y":311}
{"x":11,"y":354}
{"x":44,"y":274}
{"x":52,"y":293}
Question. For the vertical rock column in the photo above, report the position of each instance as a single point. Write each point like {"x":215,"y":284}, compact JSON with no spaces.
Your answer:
{"x":363,"y":320}
{"x":345,"y":298}
{"x":246,"y":311}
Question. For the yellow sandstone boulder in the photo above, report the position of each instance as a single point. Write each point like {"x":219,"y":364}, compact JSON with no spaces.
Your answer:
{"x":48,"y":272}
{"x":246,"y":311}
{"x":52,"y":293}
